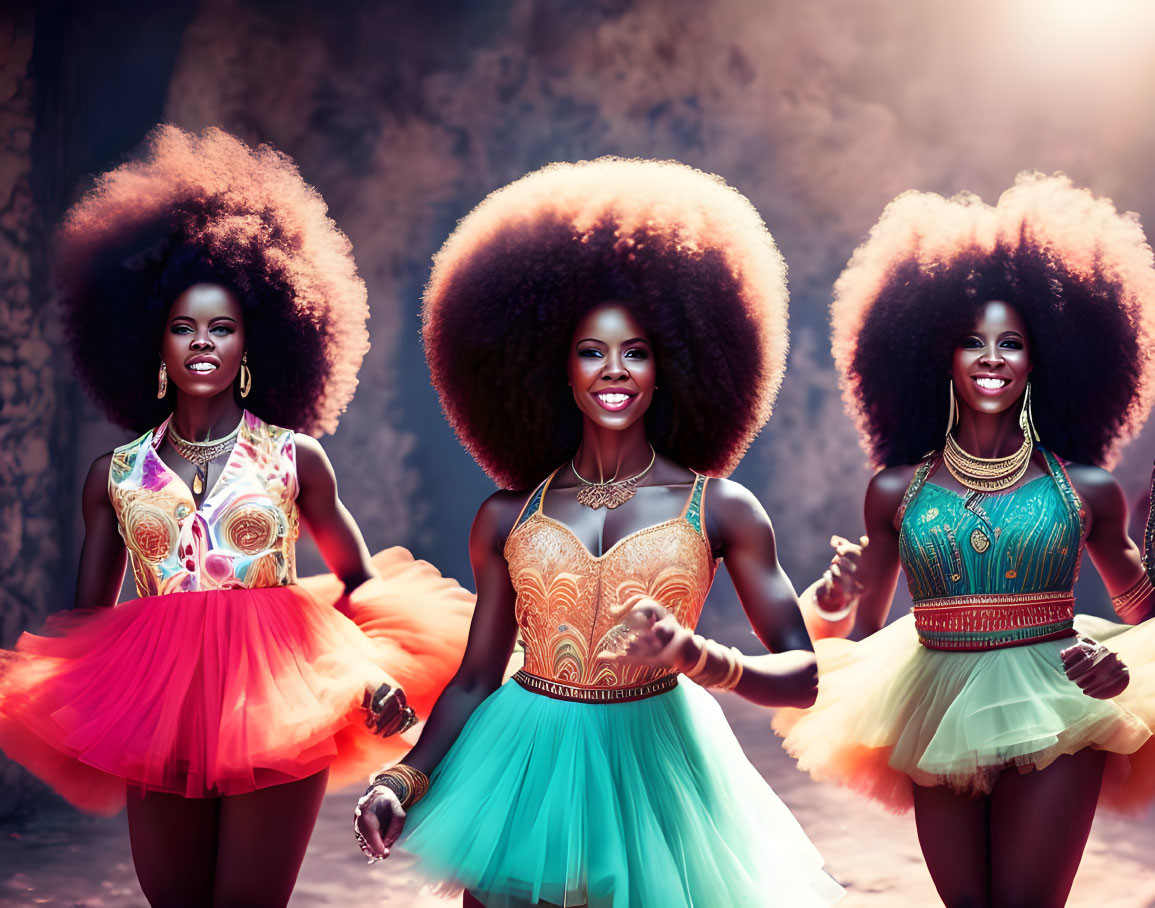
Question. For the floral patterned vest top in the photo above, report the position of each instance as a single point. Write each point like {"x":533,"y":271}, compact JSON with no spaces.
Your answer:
{"x":571,"y":603}
{"x":988,"y":570}
{"x":242,"y":536}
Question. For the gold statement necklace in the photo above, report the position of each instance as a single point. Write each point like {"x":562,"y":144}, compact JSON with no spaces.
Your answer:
{"x":987,"y":474}
{"x":612,"y":493}
{"x":201,"y":453}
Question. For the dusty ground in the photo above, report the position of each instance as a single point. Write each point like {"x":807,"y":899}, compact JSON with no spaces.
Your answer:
{"x":61,"y":858}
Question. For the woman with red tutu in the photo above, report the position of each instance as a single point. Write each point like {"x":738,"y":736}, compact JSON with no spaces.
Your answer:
{"x":606,"y":337}
{"x":209,"y":299}
{"x":1024,"y":330}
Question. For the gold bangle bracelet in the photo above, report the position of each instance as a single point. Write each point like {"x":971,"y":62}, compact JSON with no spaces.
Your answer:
{"x":1127,"y":603}
{"x":734,"y":674}
{"x":701,"y":663}
{"x":413,"y":782}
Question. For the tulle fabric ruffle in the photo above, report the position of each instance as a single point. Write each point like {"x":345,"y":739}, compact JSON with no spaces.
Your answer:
{"x":650,"y":802}
{"x":891,"y":712}
{"x":223,"y":692}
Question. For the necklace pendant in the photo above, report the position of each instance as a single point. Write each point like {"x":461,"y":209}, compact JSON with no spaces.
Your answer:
{"x":608,"y":495}
{"x":198,"y":485}
{"x":980,"y":542}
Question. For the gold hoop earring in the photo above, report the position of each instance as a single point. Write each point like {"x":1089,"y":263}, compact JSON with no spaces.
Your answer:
{"x":246,"y":376}
{"x":162,"y":382}
{"x":952,"y":414}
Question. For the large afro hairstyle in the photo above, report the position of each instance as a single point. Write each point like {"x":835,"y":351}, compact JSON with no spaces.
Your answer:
{"x":1078,"y":272}
{"x":192,"y":208}
{"x":685,"y":253}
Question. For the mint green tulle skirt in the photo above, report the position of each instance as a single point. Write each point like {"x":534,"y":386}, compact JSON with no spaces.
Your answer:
{"x":645,"y":803}
{"x":891,"y":713}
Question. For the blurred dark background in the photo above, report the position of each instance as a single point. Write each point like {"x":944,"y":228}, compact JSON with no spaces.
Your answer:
{"x":404,"y":115}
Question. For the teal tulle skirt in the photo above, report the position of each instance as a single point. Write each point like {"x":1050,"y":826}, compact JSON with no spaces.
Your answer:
{"x":645,"y":803}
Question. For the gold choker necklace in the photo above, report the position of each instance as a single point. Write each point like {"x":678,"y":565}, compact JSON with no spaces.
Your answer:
{"x":201,"y":453}
{"x":987,"y":474}
{"x":612,"y":493}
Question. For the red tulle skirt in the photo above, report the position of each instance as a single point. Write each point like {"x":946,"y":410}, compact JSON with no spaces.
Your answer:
{"x":223,"y":692}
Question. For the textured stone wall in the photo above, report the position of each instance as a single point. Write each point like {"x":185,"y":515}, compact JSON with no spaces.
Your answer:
{"x":33,"y":532}
{"x":31,"y":544}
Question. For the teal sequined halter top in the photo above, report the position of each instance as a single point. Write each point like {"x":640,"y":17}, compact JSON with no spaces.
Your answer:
{"x":991,"y":570}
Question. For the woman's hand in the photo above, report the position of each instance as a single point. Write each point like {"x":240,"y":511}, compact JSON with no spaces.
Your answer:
{"x":839,"y":585}
{"x":378,"y":821}
{"x":389,"y":712}
{"x":656,"y":638}
{"x":1096,"y":669}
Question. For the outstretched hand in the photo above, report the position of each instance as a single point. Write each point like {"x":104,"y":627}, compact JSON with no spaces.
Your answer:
{"x":839,"y":585}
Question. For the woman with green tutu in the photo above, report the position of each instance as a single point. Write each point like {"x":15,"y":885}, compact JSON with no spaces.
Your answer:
{"x":606,"y":336}
{"x":1024,"y":330}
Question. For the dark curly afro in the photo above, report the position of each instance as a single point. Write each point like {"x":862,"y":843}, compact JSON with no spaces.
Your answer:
{"x":1078,"y":272}
{"x":207,"y":208}
{"x":688,"y":255}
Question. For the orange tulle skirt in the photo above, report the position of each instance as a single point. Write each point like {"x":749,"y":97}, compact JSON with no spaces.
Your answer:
{"x":204,"y":694}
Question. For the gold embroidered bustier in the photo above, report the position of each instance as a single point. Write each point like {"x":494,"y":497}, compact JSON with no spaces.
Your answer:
{"x":244,"y":532}
{"x":571,"y":603}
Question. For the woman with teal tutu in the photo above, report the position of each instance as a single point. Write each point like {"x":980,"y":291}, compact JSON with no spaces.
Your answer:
{"x":1024,"y":330}
{"x":605,"y":337}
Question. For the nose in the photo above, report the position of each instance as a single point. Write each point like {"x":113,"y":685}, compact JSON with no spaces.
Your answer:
{"x":201,"y":341}
{"x":614,"y":367}
{"x":992,"y":356}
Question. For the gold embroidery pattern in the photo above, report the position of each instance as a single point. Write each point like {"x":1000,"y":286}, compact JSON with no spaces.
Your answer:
{"x":243,"y":536}
{"x":570,"y":603}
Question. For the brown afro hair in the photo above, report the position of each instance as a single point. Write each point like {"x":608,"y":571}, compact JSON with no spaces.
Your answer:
{"x":205,"y":207}
{"x":1078,"y":272}
{"x":687,"y":254}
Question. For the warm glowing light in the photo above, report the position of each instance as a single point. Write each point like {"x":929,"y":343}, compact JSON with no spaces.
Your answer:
{"x":1094,"y":13}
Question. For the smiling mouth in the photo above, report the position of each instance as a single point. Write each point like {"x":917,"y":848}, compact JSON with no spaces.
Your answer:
{"x":202,"y":368}
{"x":613,"y":400}
{"x":991,"y":384}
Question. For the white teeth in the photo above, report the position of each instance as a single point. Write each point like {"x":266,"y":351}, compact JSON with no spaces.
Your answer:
{"x":609,"y":397}
{"x":203,"y":367}
{"x":991,"y":384}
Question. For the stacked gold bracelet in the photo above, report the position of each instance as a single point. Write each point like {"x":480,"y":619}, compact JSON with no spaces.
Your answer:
{"x":409,"y":784}
{"x":1128,"y":603}
{"x":731,"y":658}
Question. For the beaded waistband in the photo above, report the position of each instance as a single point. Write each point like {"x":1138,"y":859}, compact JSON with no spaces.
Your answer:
{"x":560,"y":691}
{"x":994,"y":621}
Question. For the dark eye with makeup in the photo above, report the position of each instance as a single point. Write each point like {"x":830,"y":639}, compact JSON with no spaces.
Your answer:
{"x":1012,"y":343}
{"x":637,"y":353}
{"x":971,"y":342}
{"x":222,"y":330}
{"x":180,"y":329}
{"x":589,"y":351}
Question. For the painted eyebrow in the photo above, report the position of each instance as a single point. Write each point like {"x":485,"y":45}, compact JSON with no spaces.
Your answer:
{"x":632,"y":340}
{"x":1010,"y":333}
